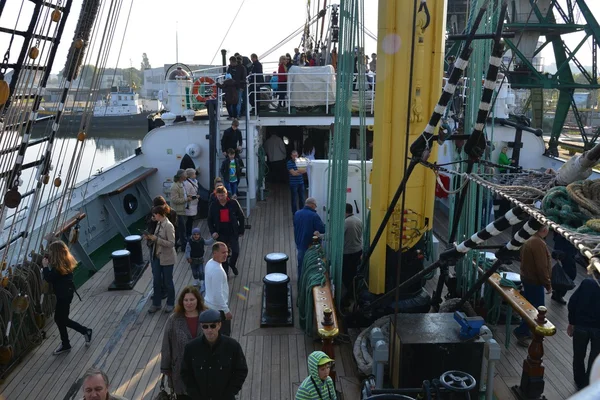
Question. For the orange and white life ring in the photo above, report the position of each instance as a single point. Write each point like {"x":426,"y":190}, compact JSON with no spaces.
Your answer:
{"x":204,"y":89}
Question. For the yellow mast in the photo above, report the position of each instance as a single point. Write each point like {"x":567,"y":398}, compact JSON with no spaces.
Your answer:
{"x":394,"y":48}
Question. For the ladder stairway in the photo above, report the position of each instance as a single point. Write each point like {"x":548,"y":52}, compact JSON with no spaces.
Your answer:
{"x":242,"y":198}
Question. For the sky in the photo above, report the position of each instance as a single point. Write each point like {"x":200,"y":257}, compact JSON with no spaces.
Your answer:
{"x":201,"y":25}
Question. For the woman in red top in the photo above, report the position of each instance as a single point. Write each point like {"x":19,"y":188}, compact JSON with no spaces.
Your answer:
{"x":282,"y":81}
{"x":182,"y":326}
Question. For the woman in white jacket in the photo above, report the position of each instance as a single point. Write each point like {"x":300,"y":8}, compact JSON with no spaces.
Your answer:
{"x":191,"y":188}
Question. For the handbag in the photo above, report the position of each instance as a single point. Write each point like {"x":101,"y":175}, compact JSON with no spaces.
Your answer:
{"x":560,"y":280}
{"x":163,"y":395}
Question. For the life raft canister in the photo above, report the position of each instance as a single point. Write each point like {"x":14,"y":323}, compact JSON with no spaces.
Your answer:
{"x":204,"y":89}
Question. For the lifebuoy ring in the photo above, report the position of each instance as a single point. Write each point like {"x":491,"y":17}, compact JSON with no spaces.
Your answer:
{"x":204,"y":89}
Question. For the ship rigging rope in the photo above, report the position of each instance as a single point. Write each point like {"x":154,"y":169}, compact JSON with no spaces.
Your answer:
{"x":85,"y":25}
{"x":75,"y":59}
{"x":104,"y":46}
{"x":46,"y":26}
{"x":26,"y":85}
{"x":287,"y":38}
{"x":525,"y":188}
{"x":104,"y":63}
{"x":226,"y":33}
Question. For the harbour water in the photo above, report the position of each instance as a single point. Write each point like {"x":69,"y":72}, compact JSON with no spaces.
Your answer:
{"x":105,"y":145}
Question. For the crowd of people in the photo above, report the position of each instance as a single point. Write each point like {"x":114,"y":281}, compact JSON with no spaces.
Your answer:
{"x":243,"y":73}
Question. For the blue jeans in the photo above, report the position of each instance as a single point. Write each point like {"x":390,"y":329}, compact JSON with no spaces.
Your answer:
{"x":535,"y":295}
{"x":297,"y":192}
{"x":162,"y":274}
{"x":241,"y":99}
{"x":197,"y":271}
{"x":232,"y":187}
{"x":232,"y":110}
{"x":181,"y":220}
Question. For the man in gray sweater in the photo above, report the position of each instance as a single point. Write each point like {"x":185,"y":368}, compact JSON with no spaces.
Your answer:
{"x":353,"y":229}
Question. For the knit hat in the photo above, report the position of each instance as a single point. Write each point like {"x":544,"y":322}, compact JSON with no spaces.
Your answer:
{"x":196,"y":231}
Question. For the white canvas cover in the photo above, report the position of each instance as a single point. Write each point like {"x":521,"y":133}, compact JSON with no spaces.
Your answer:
{"x":311,"y":86}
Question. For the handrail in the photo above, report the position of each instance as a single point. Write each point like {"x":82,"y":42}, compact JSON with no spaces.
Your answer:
{"x":134,"y":181}
{"x":70,"y":223}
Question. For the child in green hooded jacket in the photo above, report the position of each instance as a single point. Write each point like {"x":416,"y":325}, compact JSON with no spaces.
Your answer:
{"x":318,"y":385}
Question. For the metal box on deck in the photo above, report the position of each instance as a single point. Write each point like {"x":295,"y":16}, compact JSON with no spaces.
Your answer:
{"x":427,"y":345}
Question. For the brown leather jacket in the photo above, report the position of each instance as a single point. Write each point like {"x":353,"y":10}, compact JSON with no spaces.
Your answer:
{"x":536,"y":264}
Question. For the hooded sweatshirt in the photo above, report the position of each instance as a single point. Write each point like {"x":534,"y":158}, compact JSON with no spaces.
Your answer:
{"x":313,"y":388}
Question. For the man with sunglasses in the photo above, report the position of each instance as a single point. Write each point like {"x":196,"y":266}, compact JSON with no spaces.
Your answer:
{"x":214,"y":366}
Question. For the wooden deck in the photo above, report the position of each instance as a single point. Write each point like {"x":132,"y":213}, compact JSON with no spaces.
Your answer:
{"x":127,"y":340}
{"x":558,"y":349}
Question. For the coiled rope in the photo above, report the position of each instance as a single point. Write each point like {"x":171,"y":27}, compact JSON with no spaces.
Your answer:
{"x":576,"y":207}
{"x":313,"y":274}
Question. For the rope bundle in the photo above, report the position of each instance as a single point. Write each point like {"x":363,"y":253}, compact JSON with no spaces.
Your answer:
{"x":576,"y":207}
{"x":313,"y":274}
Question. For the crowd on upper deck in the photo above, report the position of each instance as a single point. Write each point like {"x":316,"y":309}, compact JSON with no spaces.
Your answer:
{"x":245,"y":74}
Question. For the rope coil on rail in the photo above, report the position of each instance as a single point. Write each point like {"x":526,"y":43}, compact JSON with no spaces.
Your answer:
{"x":313,"y":274}
{"x":575,"y":207}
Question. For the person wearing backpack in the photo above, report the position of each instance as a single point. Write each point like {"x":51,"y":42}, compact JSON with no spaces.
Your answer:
{"x":58,"y":266}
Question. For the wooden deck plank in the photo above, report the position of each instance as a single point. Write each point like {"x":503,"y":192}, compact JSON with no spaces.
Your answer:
{"x":127,"y":340}
{"x":284,"y":354}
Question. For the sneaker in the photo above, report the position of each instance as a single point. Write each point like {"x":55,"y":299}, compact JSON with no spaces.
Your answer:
{"x":559,"y":300}
{"x":88,"y":337}
{"x":153,"y":309}
{"x":235,"y":271}
{"x":196,"y":282}
{"x":168,"y":309}
{"x":61,"y":349}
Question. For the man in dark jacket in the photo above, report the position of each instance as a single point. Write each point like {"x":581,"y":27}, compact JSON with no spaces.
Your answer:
{"x":214,"y":366}
{"x":306,"y":224}
{"x":584,"y":327}
{"x":238,"y":74}
{"x":226,"y":223}
{"x":232,"y":139}
{"x":256,"y":79}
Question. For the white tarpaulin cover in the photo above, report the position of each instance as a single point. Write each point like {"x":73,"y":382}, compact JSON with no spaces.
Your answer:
{"x":311,"y":86}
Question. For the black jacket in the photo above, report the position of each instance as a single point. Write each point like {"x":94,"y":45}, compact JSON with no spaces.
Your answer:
{"x":236,"y":224}
{"x":238,"y":74}
{"x":257,"y":69}
{"x":213,"y":373}
{"x":62,"y":284}
{"x":584,"y":305}
{"x":231,"y":139}
{"x":225,"y":169}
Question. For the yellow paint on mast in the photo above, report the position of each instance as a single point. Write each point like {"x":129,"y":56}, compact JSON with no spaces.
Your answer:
{"x":395,"y":38}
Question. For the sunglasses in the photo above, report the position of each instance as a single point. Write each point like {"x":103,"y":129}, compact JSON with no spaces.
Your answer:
{"x":211,"y":326}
